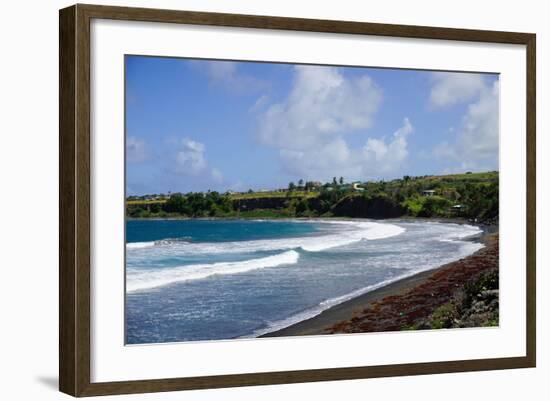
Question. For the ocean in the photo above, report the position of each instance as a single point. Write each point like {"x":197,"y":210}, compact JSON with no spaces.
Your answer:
{"x":198,"y":280}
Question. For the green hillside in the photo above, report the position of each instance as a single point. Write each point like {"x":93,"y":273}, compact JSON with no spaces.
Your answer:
{"x":468,"y":195}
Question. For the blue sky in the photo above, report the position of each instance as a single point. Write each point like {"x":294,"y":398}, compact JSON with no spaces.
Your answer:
{"x":194,"y":125}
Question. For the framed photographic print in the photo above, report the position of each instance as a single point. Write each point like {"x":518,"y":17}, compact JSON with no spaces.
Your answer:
{"x":250,"y":200}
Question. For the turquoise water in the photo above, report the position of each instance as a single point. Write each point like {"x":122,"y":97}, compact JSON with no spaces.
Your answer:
{"x":202,"y":230}
{"x":189,"y":280}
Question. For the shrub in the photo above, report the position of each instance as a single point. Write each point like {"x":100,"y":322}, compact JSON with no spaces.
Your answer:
{"x":444,"y":316}
{"x":413,"y":205}
{"x":434,"y":206}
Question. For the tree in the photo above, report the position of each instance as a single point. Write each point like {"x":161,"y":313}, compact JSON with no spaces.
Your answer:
{"x":291,"y":186}
{"x":301,"y":207}
{"x":154,"y":207}
{"x":434,"y":206}
{"x":177,"y":204}
{"x":301,"y":183}
{"x":341,"y":180}
{"x":334,"y":182}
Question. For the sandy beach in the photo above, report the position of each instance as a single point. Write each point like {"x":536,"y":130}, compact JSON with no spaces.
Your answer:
{"x":403,"y":303}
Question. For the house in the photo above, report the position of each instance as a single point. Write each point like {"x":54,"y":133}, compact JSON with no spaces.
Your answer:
{"x":428,"y":192}
{"x":356,"y":186}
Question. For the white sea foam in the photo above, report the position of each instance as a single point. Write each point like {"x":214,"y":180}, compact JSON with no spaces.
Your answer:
{"x":332,"y":234}
{"x":466,"y":248}
{"x":343,"y":233}
{"x":140,"y":245}
{"x":321,"y":307}
{"x":466,"y":231}
{"x":457,"y":237}
{"x":142,"y":280}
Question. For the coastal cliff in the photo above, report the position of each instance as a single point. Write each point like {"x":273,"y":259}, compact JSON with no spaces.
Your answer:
{"x":260,"y":203}
{"x":378,"y":207}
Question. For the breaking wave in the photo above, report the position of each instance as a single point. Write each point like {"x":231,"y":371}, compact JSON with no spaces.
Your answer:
{"x":142,"y":280}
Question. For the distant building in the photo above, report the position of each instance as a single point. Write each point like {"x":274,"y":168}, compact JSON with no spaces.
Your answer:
{"x":428,"y":192}
{"x":356,"y":186}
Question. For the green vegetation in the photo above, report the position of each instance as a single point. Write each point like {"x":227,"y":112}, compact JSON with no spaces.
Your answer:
{"x":425,"y":206}
{"x":274,"y":194}
{"x":145,"y":201}
{"x":265,"y":214}
{"x":469,"y":195}
{"x":473,"y":305}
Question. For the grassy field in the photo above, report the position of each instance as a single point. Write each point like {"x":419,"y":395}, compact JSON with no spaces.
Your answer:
{"x":275,"y":194}
{"x":145,"y":202}
{"x":486,"y":176}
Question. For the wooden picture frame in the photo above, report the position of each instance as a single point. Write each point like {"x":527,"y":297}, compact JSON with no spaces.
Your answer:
{"x":74,"y":203}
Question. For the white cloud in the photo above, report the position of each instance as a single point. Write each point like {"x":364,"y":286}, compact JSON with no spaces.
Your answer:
{"x":322,"y":162}
{"x":454,"y":87}
{"x":476,"y":144}
{"x":136,"y":150}
{"x":376,"y":158}
{"x":310,"y":125}
{"x":190,"y":160}
{"x":190,"y":157}
{"x":389,"y":156}
{"x":227,"y":75}
{"x":321,"y":105}
{"x":480,"y":126}
{"x":259,"y":103}
{"x":221,"y":70}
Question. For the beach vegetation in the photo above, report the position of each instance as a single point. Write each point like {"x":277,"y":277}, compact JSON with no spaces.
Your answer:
{"x":444,"y":316}
{"x":475,"y":304}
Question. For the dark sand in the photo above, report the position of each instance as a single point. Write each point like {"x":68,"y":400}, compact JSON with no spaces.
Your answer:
{"x":399,"y":304}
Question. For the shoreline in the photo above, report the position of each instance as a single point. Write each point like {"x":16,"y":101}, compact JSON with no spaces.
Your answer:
{"x":397,"y":305}
{"x":455,"y":220}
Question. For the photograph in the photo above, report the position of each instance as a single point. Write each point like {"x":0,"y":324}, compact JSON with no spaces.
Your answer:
{"x":269,"y":199}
